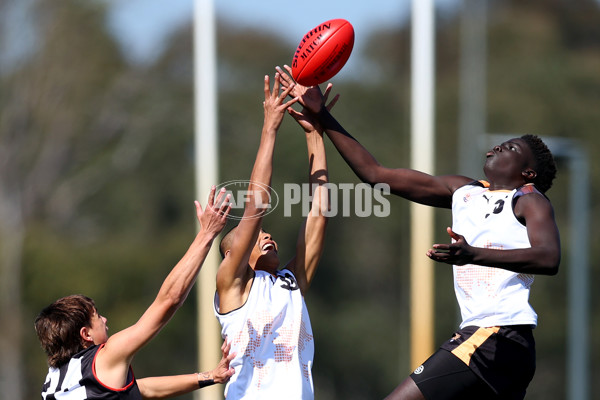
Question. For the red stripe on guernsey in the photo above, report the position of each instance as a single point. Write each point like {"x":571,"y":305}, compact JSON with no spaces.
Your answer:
{"x":528,"y":188}
{"x":130,"y":384}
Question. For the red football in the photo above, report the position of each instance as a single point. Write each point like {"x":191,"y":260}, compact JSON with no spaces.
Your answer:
{"x":322,"y":52}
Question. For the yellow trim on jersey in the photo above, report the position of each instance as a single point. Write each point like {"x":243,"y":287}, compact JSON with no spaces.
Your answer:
{"x":466,"y":349}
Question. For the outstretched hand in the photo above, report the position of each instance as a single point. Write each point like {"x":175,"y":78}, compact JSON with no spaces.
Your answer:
{"x":459,"y":252}
{"x":274,"y":104}
{"x":214,"y":217}
{"x":311,"y":97}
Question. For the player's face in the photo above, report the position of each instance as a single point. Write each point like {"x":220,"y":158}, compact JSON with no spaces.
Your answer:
{"x":508,"y":159}
{"x":264,"y":255}
{"x":99,"y":329}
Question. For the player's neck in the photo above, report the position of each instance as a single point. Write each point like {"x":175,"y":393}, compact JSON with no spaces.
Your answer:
{"x":505,"y":185}
{"x":271,"y":269}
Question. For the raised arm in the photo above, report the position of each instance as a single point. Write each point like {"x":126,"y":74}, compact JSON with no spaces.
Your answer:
{"x":234,"y":272}
{"x":112,"y":362}
{"x":311,"y":236}
{"x":410,"y":184}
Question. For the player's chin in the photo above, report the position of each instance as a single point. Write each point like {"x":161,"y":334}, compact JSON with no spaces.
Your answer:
{"x":268,"y":260}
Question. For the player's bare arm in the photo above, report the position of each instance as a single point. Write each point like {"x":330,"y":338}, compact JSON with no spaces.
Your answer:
{"x":113,"y":360}
{"x":413,"y":185}
{"x":311,"y":236}
{"x":410,"y":184}
{"x":234,"y":274}
{"x":162,"y":387}
{"x":543,"y":257}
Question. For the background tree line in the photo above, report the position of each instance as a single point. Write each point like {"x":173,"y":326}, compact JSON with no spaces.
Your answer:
{"x":96,"y":181}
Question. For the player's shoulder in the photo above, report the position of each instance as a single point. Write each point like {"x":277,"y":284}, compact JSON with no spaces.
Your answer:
{"x":531,"y":193}
{"x":528,"y":197}
{"x":455,"y":182}
{"x":464,"y":184}
{"x":528,"y":188}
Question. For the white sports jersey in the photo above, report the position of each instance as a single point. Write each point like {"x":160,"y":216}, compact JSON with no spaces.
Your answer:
{"x":491,"y":296}
{"x":273,"y":341}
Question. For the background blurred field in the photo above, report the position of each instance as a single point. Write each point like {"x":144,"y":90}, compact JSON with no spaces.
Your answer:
{"x":97,"y":186}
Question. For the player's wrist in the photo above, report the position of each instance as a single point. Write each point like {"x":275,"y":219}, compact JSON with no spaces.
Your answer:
{"x":205,"y":379}
{"x":207,"y":236}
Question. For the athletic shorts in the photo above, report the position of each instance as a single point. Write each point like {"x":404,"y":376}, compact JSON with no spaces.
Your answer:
{"x":480,"y":363}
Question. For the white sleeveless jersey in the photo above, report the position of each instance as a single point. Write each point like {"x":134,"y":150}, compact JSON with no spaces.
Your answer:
{"x":491,"y":296}
{"x":273,"y":341}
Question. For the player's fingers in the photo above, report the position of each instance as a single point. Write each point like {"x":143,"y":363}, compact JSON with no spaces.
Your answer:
{"x":288,"y":69}
{"x":226,"y":206}
{"x":284,"y":76}
{"x":267,"y":87}
{"x":452,"y":234}
{"x":287,"y":90}
{"x":211,"y":196}
{"x":225,"y":347}
{"x":219,"y":201}
{"x":295,"y":114}
{"x":291,"y":102}
{"x":327,"y":90}
{"x":277,"y":86}
{"x":333,"y":102}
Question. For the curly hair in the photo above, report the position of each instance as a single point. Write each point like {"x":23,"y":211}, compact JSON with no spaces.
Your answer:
{"x":544,"y":162}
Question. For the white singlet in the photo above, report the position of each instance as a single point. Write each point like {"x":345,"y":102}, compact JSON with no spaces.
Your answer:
{"x":273,"y":341}
{"x":491,"y":296}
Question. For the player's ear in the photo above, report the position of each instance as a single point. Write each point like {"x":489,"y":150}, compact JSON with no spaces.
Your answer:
{"x":529,"y":174}
{"x":84,"y":333}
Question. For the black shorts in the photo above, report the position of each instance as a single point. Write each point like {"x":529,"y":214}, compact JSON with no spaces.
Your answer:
{"x":480,"y":363}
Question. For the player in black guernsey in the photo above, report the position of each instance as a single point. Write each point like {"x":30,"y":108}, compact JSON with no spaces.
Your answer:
{"x":85,"y":363}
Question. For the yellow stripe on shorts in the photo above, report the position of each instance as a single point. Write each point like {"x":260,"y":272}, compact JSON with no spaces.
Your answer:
{"x":466,"y":349}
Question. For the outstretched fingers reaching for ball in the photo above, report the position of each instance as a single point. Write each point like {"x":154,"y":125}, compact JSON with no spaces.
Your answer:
{"x":309,"y":121}
{"x":274,"y":104}
{"x":310,"y":97}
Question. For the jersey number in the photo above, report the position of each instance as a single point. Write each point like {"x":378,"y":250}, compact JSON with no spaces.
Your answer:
{"x":289,"y":282}
{"x":498,"y":209}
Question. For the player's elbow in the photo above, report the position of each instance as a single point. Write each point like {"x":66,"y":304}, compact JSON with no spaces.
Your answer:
{"x":372,"y":174}
{"x":550,"y":264}
{"x":171,"y":298}
{"x":321,"y":206}
{"x":553,"y":268}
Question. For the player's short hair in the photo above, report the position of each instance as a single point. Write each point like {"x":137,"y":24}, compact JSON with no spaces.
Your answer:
{"x":544,"y":162}
{"x":226,"y":241}
{"x":58,"y":325}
